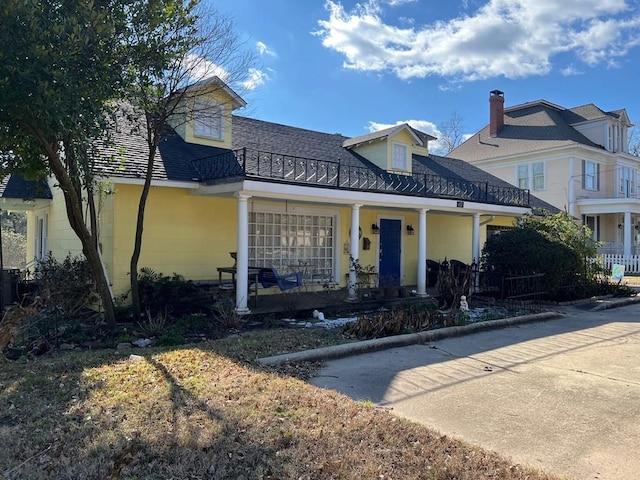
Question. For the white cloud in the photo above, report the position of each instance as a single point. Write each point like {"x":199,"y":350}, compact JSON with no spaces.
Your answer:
{"x":255,"y":79}
{"x":510,"y":38}
{"x":423,"y":125}
{"x":263,"y":49}
{"x":395,"y":3}
{"x":198,"y":68}
{"x":435,"y":146}
{"x":570,"y":70}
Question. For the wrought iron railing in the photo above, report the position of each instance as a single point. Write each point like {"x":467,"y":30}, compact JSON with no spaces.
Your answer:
{"x":247,"y":163}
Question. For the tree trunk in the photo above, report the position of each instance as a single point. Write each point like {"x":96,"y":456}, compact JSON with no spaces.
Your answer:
{"x":89,"y":243}
{"x":137,"y":246}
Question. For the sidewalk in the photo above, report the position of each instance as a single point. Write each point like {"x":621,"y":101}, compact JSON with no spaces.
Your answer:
{"x":560,"y":395}
{"x":356,"y":348}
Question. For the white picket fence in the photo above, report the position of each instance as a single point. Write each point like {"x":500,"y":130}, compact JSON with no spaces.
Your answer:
{"x":631,"y":262}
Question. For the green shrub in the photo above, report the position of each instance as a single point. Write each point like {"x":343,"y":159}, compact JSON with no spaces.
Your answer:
{"x":170,"y":295}
{"x":66,"y":288}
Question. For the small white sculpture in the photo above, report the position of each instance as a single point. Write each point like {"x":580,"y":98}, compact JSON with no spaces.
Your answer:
{"x":315,"y":313}
{"x":464,"y":306}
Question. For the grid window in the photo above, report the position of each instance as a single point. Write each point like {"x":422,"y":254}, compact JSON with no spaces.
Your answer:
{"x":523,"y":176}
{"x":626,"y":181}
{"x":538,"y":175}
{"x":531,"y":176}
{"x":293,"y":242}
{"x":207,"y":120}
{"x":590,"y":176}
{"x":400,"y":154}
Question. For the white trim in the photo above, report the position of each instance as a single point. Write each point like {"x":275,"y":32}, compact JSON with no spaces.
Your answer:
{"x":327,"y":196}
{"x":533,"y":154}
{"x":155,"y":183}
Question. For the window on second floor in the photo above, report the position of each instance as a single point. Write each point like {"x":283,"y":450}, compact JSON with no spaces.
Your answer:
{"x":208,"y":119}
{"x":590,"y":175}
{"x":626,"y":183}
{"x":531,"y":176}
{"x":399,"y":156}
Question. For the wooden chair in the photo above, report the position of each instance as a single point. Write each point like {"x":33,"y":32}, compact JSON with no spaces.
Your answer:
{"x":269,"y":277}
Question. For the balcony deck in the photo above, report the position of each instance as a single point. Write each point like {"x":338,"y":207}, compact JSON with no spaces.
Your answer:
{"x":273,"y":167}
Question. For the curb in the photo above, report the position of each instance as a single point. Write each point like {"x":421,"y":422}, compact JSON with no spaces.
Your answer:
{"x":615,"y":304}
{"x":356,"y":348}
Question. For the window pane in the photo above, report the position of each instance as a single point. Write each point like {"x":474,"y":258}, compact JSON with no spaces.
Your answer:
{"x":294,"y":244}
{"x":399,"y":156}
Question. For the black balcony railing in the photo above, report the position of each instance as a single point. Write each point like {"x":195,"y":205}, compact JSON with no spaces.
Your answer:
{"x":246,"y":163}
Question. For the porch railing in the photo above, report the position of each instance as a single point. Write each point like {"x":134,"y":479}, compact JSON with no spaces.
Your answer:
{"x":248,"y":163}
{"x":631,"y":262}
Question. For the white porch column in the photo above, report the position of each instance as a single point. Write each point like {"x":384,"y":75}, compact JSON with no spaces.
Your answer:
{"x":627,"y":233}
{"x":475,"y":243}
{"x":242,"y":263}
{"x":355,"y":252}
{"x":422,"y":253}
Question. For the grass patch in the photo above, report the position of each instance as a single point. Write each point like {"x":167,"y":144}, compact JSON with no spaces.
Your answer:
{"x":207,"y":411}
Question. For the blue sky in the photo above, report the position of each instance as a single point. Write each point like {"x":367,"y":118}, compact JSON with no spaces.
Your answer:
{"x":348,"y":67}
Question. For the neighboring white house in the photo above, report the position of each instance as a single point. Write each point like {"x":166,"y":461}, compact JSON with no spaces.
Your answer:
{"x":576,"y":159}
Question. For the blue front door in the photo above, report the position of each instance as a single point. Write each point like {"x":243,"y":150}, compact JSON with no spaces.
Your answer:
{"x":390,"y":254}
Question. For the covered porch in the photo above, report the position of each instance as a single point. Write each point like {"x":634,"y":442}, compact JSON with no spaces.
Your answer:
{"x":615,"y":222}
{"x":332,"y":236}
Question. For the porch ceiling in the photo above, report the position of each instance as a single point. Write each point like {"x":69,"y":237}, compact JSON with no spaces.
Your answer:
{"x":599,"y":206}
{"x":18,"y":205}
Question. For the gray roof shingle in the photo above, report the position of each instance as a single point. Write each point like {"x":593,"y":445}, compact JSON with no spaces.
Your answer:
{"x":533,"y":127}
{"x":175,"y":156}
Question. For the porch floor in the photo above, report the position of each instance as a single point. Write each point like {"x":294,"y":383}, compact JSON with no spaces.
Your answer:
{"x":301,"y":303}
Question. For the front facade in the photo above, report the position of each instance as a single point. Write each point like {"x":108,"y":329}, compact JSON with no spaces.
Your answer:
{"x":284,"y":197}
{"x":576,"y":159}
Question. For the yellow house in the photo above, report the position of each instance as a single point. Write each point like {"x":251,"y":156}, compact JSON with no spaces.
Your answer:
{"x":283,"y":197}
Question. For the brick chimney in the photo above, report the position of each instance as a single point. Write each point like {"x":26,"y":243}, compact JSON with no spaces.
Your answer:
{"x":496,"y":112}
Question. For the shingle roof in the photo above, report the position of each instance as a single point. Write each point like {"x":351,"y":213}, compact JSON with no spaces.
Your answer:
{"x":15,"y":186}
{"x":537,"y":126}
{"x":459,"y":169}
{"x":175,"y":156}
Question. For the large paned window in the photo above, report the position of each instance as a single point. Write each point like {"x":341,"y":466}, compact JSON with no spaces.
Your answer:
{"x":626,"y":184}
{"x":531,"y":176}
{"x":208,"y":119}
{"x":591,"y":175}
{"x":400,"y":158}
{"x":293,"y":242}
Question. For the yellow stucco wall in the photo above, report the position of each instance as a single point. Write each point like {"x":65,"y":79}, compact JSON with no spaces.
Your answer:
{"x":192,"y":235}
{"x":186,"y":234}
{"x":375,"y":152}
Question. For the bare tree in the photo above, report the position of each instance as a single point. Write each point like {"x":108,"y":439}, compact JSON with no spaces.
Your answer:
{"x":195,"y":54}
{"x":451,"y":132}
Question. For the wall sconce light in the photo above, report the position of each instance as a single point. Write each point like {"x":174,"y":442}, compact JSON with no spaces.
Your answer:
{"x":375,"y":229}
{"x":410,"y":230}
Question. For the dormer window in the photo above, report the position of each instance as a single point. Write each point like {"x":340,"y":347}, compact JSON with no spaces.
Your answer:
{"x":400,"y":156}
{"x":208,"y":119}
{"x":615,"y":138}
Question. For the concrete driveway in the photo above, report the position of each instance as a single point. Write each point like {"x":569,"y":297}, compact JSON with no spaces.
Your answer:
{"x":562,"y":395}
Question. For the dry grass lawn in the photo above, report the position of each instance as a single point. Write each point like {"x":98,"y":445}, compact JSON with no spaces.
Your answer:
{"x":207,"y":411}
